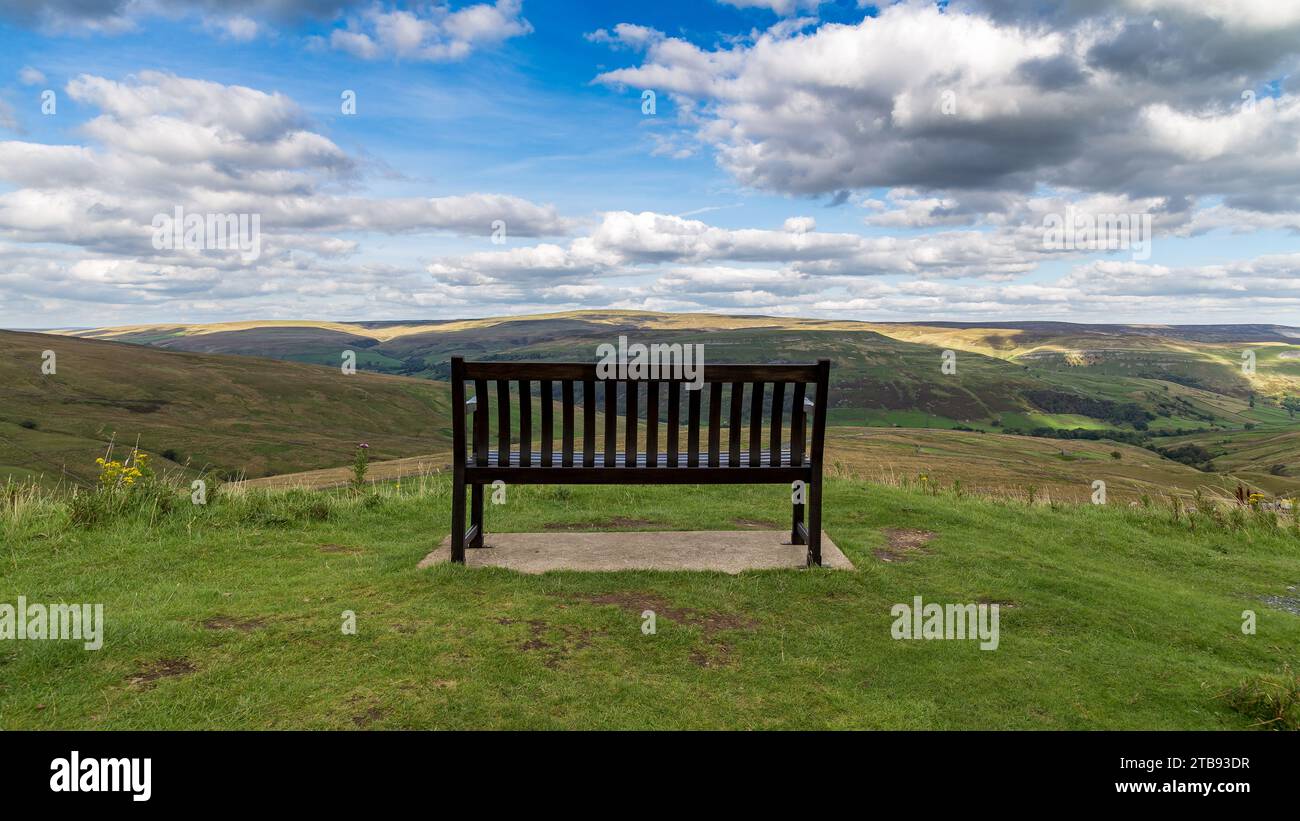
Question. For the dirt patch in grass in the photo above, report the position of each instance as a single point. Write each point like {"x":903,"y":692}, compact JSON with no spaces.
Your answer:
{"x":232,"y":623}
{"x":163,"y":668}
{"x":370,"y":711}
{"x":1003,"y":604}
{"x":712,"y":656}
{"x":367,"y":718}
{"x":555,"y":642}
{"x":902,"y":544}
{"x":338,"y":548}
{"x":637,"y":603}
{"x":612,"y":523}
{"x":755,"y":524}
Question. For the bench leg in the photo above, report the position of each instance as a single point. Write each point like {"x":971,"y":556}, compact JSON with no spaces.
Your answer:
{"x":795,"y":536}
{"x":458,"y":521}
{"x":815,"y":523}
{"x":476,"y":515}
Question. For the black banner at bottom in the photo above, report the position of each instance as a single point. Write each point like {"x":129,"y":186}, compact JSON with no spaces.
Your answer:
{"x":338,"y":770}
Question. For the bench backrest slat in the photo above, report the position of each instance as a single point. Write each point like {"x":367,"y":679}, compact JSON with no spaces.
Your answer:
{"x":693,"y":429}
{"x":715,"y":423}
{"x":548,"y":422}
{"x":480,"y":422}
{"x":611,"y":422}
{"x":674,"y":421}
{"x":525,"y":423}
{"x":588,"y":423}
{"x":652,"y":425}
{"x":566,"y":423}
{"x":804,"y":386}
{"x":797,"y":425}
{"x":734,"y":424}
{"x":632,"y":415}
{"x":503,"y":423}
{"x":778,"y":407}
{"x":583,"y":371}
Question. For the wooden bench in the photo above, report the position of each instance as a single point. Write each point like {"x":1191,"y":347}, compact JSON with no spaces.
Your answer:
{"x":644,"y":457}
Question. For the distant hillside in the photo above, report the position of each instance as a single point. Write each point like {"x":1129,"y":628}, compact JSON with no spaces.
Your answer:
{"x":238,"y":415}
{"x":1018,"y":376}
{"x":179,"y":389}
{"x":1189,"y":333}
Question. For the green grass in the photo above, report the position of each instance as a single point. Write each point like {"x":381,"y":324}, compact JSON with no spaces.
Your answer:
{"x":1112,"y":617}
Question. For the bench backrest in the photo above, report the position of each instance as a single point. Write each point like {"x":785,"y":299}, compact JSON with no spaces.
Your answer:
{"x":772,"y":400}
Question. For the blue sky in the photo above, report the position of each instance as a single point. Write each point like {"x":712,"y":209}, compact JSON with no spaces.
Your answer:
{"x":804,"y":158}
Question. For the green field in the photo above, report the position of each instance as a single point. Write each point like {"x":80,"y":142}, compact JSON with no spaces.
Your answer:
{"x":1268,"y":458}
{"x":229,"y":616}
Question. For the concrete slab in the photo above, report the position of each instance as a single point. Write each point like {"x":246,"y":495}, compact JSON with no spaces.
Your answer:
{"x":728,"y":551}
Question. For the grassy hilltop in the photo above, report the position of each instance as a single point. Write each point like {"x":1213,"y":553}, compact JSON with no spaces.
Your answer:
{"x":229,"y":616}
{"x":1123,"y":615}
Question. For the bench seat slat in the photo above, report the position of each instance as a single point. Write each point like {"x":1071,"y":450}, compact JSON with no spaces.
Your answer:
{"x":623,"y":476}
{"x":620,"y":460}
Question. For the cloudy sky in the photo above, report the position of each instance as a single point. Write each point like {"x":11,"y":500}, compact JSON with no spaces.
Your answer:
{"x":909,"y":160}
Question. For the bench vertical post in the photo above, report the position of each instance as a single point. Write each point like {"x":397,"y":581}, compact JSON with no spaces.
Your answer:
{"x":796,"y":458}
{"x":815,"y":463}
{"x":458,"y":460}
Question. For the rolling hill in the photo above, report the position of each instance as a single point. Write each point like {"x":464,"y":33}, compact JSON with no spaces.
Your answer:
{"x":1012,"y":376}
{"x":233,"y":414}
{"x":213,"y":394}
